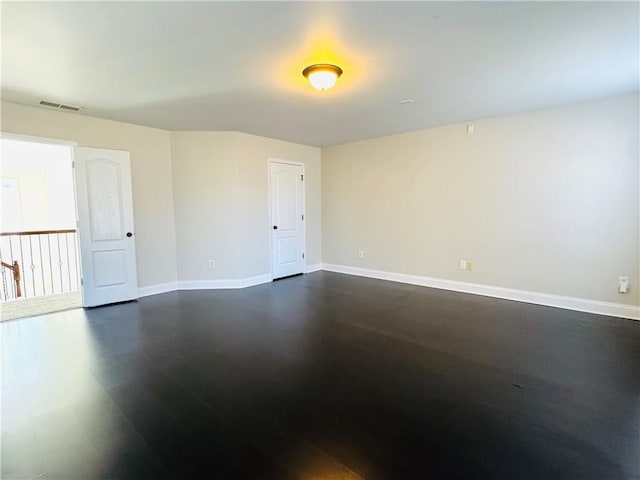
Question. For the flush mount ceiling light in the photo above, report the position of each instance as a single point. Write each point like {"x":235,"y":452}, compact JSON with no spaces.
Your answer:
{"x":322,"y":76}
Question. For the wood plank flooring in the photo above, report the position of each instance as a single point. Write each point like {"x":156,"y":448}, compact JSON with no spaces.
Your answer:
{"x":324,"y":376}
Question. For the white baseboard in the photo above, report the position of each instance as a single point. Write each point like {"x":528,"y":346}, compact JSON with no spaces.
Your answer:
{"x":156,"y":289}
{"x":570,"y":303}
{"x":257,"y":280}
{"x":316,"y":267}
{"x":223,"y":283}
{"x":214,"y":284}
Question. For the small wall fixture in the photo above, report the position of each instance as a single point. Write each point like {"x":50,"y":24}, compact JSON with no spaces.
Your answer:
{"x":322,"y":76}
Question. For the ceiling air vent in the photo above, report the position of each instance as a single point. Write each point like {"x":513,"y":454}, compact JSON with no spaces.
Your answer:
{"x":69,"y":107}
{"x":60,"y":106}
{"x":49,"y":104}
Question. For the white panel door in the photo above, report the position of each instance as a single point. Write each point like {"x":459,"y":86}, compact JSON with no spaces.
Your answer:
{"x":105,"y":214}
{"x":287,"y":219}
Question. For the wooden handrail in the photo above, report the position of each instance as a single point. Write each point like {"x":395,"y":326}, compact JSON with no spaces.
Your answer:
{"x":37,"y":232}
{"x":15,"y":268}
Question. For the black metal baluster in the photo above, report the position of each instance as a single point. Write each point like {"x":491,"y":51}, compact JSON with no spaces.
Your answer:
{"x":77,"y":259}
{"x":11,"y":250}
{"x":50,"y":265}
{"x":60,"y":262}
{"x":4,"y":280}
{"x":66,"y":243}
{"x":15,"y":293}
{"x":32,"y":266}
{"x":4,"y":285}
{"x":44,"y":291}
{"x":23,"y":265}
{"x":10,"y":292}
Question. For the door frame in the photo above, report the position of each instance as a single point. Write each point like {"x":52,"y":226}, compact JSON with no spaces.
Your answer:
{"x":30,"y":138}
{"x":270,"y":161}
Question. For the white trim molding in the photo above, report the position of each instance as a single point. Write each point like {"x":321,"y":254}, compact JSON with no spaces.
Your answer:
{"x":316,"y":267}
{"x":224,"y":283}
{"x":214,"y":284}
{"x":30,"y":138}
{"x":157,"y":289}
{"x":570,"y":303}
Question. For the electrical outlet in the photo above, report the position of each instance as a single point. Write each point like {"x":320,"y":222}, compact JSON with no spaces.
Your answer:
{"x":463,"y":264}
{"x":212,"y":264}
{"x":623,"y":284}
{"x":360,"y":254}
{"x":469,"y":265}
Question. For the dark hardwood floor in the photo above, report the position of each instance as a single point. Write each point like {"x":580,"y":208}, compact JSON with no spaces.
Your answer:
{"x":323,"y":376}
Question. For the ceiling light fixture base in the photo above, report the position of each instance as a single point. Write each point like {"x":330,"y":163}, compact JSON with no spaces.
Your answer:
{"x":322,"y":76}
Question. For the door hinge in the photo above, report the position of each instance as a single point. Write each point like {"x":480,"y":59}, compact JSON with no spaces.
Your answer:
{"x":302,"y":177}
{"x":303,"y":216}
{"x":81,"y":281}
{"x":73,"y":164}
{"x":303,"y":255}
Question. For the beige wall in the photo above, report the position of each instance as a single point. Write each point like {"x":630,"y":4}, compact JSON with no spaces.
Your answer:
{"x":222,"y":202}
{"x":150,"y":171}
{"x":205,"y":190}
{"x":545,"y":201}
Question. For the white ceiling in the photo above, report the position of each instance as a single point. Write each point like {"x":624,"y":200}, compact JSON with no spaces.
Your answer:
{"x":237,"y":65}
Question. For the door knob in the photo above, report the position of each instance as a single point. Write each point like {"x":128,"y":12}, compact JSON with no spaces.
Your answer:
{"x":129,"y":234}
{"x":275,"y":227}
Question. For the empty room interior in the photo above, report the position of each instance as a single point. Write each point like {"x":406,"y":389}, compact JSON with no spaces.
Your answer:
{"x":320,"y":240}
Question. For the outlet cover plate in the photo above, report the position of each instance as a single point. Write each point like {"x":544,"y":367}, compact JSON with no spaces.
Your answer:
{"x":623,"y":284}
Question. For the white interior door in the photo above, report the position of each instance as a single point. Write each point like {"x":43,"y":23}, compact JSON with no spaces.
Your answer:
{"x":287,"y":219}
{"x":105,"y":214}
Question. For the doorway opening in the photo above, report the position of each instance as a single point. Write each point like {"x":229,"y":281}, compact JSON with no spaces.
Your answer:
{"x":39,"y":246}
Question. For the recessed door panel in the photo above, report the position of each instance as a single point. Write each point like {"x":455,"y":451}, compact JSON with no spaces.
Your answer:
{"x":288,"y":250}
{"x":109,"y":268}
{"x":286,"y":201}
{"x":105,"y":200}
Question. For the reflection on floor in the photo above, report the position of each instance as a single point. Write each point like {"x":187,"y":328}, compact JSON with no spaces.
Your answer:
{"x":30,"y":307}
{"x":323,"y":376}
